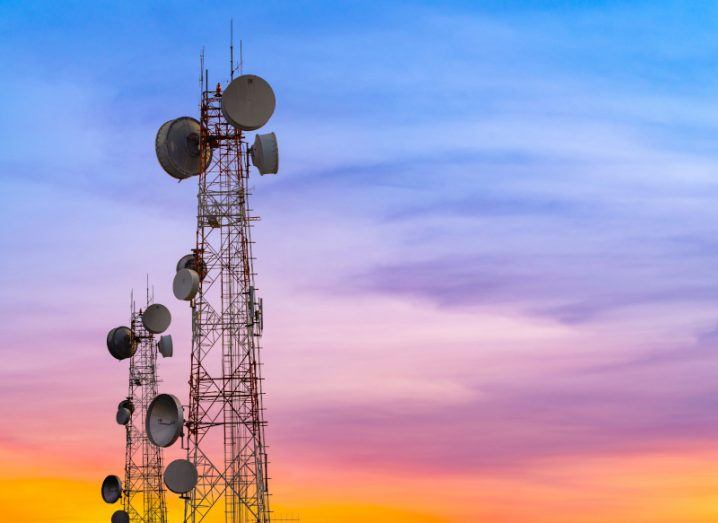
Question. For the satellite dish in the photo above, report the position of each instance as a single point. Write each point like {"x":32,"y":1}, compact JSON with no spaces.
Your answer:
{"x":123,"y":416}
{"x":121,"y":343}
{"x":120,"y":516}
{"x":165,"y":418}
{"x":185,"y":284}
{"x":164,"y":346}
{"x":178,"y":149}
{"x":248,"y":102}
{"x":156,"y":318}
{"x":265,"y":153}
{"x":190,"y":262}
{"x":111,"y":489}
{"x":180,"y":476}
{"x":127,"y":404}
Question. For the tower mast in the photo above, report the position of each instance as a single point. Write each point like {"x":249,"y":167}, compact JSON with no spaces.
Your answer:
{"x":226,"y":424}
{"x":144,"y":498}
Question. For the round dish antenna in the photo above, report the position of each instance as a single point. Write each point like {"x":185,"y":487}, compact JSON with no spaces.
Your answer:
{"x":190,"y":262}
{"x":178,"y":150}
{"x":156,"y":318}
{"x":248,"y":102}
{"x":111,"y":489}
{"x":164,"y":346}
{"x":120,"y":516}
{"x":165,"y":418}
{"x":180,"y":476}
{"x":121,"y":343}
{"x":265,"y":153}
{"x":185,"y":284}
{"x":127,"y":404}
{"x":123,"y":416}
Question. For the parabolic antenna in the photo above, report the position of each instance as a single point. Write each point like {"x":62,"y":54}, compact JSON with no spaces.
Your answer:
{"x":156,"y":318}
{"x":123,"y":416}
{"x":180,"y":476}
{"x":165,"y":418}
{"x":127,"y":404}
{"x":248,"y":102}
{"x":177,"y":148}
{"x":185,"y":284}
{"x":111,"y":489}
{"x":120,"y":516}
{"x":189,"y":262}
{"x":265,"y":153}
{"x":121,"y":343}
{"x":164,"y":346}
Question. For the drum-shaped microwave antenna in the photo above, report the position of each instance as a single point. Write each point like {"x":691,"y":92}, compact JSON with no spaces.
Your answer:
{"x":185,"y":284}
{"x":127,"y":404}
{"x":120,"y":516}
{"x":111,"y":489}
{"x":121,"y":343}
{"x":164,"y":346}
{"x":248,"y":102}
{"x":123,"y":416}
{"x":178,"y":149}
{"x":265,"y":153}
{"x":190,"y":262}
{"x":180,"y":476}
{"x":165,"y":418}
{"x":156,"y":318}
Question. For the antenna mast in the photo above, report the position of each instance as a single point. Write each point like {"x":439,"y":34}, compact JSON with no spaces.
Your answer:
{"x":144,"y":499}
{"x":226,"y":467}
{"x":231,"y":49}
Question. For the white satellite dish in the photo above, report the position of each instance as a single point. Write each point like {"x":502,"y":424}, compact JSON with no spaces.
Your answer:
{"x":185,"y":284}
{"x":123,"y":416}
{"x":120,"y":516}
{"x":178,"y":149}
{"x":180,"y":476}
{"x":189,"y":262}
{"x":165,"y":418}
{"x":156,"y":318}
{"x":121,"y":343}
{"x":248,"y":102}
{"x":111,"y":489}
{"x":265,"y":153}
{"x":164,"y":346}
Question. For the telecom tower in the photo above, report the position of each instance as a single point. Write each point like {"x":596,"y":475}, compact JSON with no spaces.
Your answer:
{"x":145,"y":498}
{"x":143,"y":495}
{"x":226,"y":466}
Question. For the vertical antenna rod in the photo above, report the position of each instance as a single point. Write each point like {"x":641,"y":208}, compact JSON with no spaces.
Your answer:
{"x":231,"y":49}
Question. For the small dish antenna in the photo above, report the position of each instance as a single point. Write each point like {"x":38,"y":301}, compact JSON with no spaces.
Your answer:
{"x":190,"y":262}
{"x":127,"y":404}
{"x":121,"y":343}
{"x":164,"y":346}
{"x":178,"y":149}
{"x":123,"y":416}
{"x":265,"y":153}
{"x":165,"y":418}
{"x":111,"y":489}
{"x":248,"y":102}
{"x":180,"y":476}
{"x":120,"y":516}
{"x":156,"y":318}
{"x":185,"y":284}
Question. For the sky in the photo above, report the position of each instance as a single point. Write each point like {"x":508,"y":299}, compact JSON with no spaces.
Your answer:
{"x":488,"y":263}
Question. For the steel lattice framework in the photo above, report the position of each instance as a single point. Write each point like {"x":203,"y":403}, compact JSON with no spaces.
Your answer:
{"x":144,"y":498}
{"x":225,"y":426}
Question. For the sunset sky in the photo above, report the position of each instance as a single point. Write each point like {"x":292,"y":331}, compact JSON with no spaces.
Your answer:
{"x":489,"y":263}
